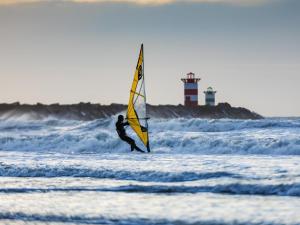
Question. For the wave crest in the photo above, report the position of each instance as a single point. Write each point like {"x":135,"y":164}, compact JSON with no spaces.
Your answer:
{"x":268,"y":136}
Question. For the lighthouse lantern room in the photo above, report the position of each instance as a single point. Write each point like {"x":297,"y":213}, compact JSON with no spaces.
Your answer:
{"x":190,"y":90}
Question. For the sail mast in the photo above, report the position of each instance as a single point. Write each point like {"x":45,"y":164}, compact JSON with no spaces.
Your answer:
{"x":146,"y":114}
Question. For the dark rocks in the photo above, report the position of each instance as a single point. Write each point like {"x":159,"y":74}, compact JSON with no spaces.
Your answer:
{"x":89,"y":111}
{"x":222,"y":110}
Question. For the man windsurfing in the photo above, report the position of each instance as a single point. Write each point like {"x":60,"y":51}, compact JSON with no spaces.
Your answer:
{"x":137,"y":109}
{"x":120,"y":127}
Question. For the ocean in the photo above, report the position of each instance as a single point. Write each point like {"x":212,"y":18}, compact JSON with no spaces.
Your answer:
{"x":200,"y":171}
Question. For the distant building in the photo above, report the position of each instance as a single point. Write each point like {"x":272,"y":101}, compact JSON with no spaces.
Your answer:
{"x":210,"y":97}
{"x":190,"y":89}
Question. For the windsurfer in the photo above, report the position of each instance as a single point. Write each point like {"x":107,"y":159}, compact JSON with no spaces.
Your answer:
{"x":120,"y":127}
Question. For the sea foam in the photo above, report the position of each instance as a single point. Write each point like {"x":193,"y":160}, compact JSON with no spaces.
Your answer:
{"x":279,"y":136}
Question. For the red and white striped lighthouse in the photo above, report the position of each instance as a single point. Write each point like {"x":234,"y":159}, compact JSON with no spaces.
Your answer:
{"x":190,"y":90}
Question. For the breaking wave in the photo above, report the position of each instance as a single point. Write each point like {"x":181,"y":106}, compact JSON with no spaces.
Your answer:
{"x":230,"y":189}
{"x":144,"y":176}
{"x":233,"y":189}
{"x":269,"y":136}
{"x":18,"y":216}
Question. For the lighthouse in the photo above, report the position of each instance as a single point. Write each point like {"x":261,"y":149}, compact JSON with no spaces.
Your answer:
{"x":210,"y":98}
{"x":190,"y":89}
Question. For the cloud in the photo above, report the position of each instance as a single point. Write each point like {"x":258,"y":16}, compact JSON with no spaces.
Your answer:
{"x":142,"y":2}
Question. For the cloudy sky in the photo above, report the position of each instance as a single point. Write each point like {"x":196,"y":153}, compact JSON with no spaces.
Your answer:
{"x":69,"y":51}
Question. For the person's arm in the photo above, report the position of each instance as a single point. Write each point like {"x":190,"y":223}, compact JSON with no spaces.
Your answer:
{"x":126,"y":124}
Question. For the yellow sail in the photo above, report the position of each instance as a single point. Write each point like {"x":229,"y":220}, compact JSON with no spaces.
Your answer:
{"x":136,"y":112}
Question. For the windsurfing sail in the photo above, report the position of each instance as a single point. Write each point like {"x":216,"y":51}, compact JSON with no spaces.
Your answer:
{"x":137,"y":111}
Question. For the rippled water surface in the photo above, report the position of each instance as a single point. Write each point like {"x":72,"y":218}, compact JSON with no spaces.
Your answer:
{"x":199,"y":172}
{"x":149,"y":189}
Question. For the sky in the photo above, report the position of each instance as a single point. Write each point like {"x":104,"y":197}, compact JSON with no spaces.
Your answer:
{"x":70,"y":51}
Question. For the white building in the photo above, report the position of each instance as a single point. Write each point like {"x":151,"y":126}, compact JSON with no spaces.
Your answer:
{"x":210,"y":98}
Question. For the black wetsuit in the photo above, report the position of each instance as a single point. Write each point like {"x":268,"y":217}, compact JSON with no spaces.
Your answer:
{"x":123,"y":136}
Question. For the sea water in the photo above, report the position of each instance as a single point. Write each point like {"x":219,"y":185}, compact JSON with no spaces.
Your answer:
{"x":199,"y":172}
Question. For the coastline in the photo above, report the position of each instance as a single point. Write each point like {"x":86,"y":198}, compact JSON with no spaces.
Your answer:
{"x":89,"y":111}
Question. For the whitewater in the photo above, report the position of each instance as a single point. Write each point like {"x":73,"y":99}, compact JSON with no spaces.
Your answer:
{"x":200,"y":171}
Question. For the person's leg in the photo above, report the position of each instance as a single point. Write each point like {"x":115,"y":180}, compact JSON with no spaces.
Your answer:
{"x":132,"y":144}
{"x":129,"y":141}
